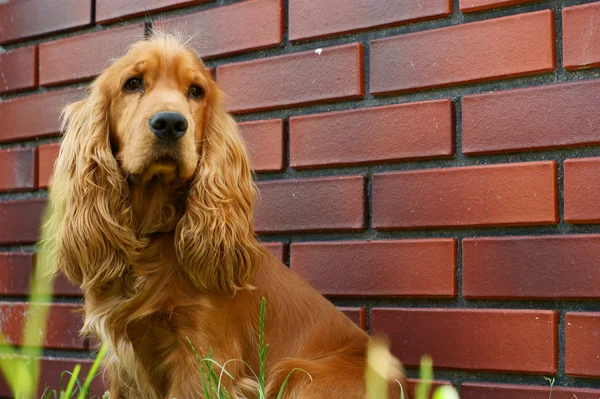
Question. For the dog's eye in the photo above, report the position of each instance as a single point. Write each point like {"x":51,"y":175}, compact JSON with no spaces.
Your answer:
{"x":134,"y":84}
{"x":196,"y":92}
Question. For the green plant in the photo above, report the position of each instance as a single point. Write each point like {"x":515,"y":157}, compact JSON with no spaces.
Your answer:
{"x":551,"y":381}
{"x":424,"y":385}
{"x":83,"y":392}
{"x":21,"y":366}
{"x":212,"y":383}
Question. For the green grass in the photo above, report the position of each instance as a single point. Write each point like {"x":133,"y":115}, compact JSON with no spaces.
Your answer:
{"x":212,"y":383}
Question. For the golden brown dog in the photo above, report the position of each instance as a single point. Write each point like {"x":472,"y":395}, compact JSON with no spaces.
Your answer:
{"x":151,"y":214}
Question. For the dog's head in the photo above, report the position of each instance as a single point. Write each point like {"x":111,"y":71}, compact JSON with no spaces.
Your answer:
{"x":161,"y":99}
{"x":149,"y":151}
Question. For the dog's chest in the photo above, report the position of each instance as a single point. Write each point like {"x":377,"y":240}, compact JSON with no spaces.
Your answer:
{"x":162,"y":345}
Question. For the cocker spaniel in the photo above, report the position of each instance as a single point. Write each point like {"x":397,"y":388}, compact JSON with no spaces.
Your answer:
{"x":151,"y":214}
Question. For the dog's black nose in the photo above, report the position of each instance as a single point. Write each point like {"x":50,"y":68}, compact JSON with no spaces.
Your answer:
{"x":168,"y":126}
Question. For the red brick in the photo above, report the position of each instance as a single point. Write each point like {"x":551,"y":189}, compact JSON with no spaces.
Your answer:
{"x":476,"y":339}
{"x":381,"y":134}
{"x":475,"y":390}
{"x":113,"y":10}
{"x":322,"y":75}
{"x":47,"y":154}
{"x":508,"y":194}
{"x":15,"y":276}
{"x":378,"y":268}
{"x":582,"y":344}
{"x":62,"y":330}
{"x":18,"y":70}
{"x":34,"y":116}
{"x":309,"y":19}
{"x":20,"y":220}
{"x":15,"y":273}
{"x":18,"y":167}
{"x":63,"y":287}
{"x":531,"y":118}
{"x":22,"y":19}
{"x":581,"y":32}
{"x":478,"y":5}
{"x":357,"y":315}
{"x":264,"y":142}
{"x":244,"y":26}
{"x":55,"y":371}
{"x":581,"y":191}
{"x":517,"y":45}
{"x":277,"y":249}
{"x":316,"y":204}
{"x":549,"y":267}
{"x":85,"y":56}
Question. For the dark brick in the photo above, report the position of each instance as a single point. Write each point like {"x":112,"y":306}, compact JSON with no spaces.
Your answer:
{"x":277,"y":249}
{"x":545,"y":267}
{"x":85,"y":56}
{"x":474,"y":390}
{"x":511,"y":46}
{"x":264,"y":142}
{"x":581,"y":36}
{"x":378,"y":268}
{"x":357,"y":315}
{"x":34,"y":116}
{"x":47,"y":154}
{"x":507,"y":194}
{"x":310,"y":19}
{"x":582,"y":344}
{"x":333,"y":73}
{"x":540,"y":117}
{"x":20,"y":220}
{"x":581,"y":190}
{"x":320,"y":204}
{"x":19,"y":169}
{"x":243,"y":26}
{"x":62,"y":330}
{"x":112,"y":10}
{"x":478,"y":5}
{"x":476,"y":339}
{"x":23,"y":19}
{"x":16,"y":269}
{"x":18,"y":69}
{"x":381,"y":134}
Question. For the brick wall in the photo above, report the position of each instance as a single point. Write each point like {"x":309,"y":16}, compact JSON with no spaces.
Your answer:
{"x":429,"y":165}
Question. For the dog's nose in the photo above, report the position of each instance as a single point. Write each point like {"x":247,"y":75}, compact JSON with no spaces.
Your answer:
{"x":168,"y":126}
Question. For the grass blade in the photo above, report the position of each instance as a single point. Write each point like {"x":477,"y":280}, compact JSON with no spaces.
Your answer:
{"x":262,"y":349}
{"x":203,"y":377}
{"x":425,"y":378}
{"x":92,"y":373}
{"x":401,"y":389}
{"x":285,"y":381}
{"x":69,"y":391}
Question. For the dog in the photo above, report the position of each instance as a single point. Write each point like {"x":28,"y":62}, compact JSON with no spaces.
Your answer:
{"x":151,"y":214}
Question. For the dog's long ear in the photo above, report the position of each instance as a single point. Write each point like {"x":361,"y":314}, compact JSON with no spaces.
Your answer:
{"x":216,"y":243}
{"x":87,"y":234}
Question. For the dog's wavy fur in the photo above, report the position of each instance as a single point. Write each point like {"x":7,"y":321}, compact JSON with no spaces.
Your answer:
{"x":165,"y":252}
